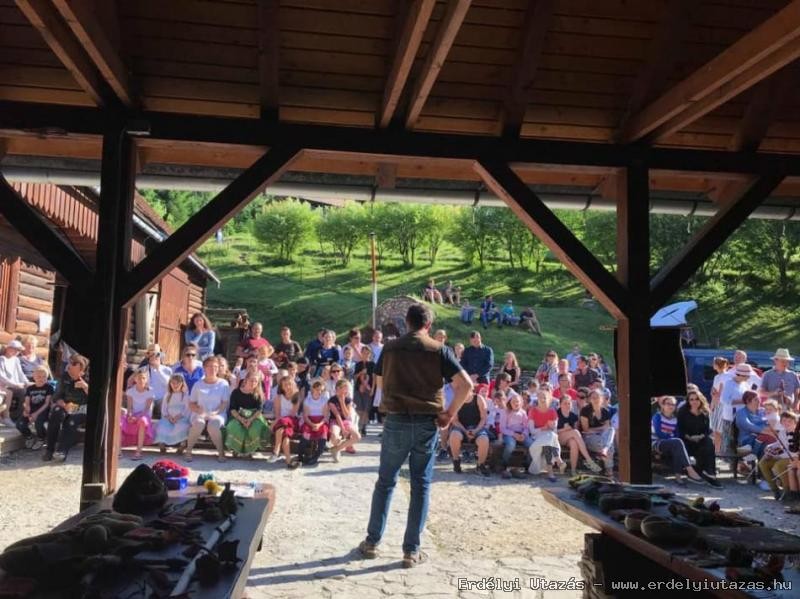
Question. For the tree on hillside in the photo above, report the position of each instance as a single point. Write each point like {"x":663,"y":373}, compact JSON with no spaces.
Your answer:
{"x":407,"y":231}
{"x":770,"y":246}
{"x":474,"y":233}
{"x":600,"y":236}
{"x":343,"y":228}
{"x":514,"y":236}
{"x":176,"y":206}
{"x":379,"y":221}
{"x":284,"y":227}
{"x":435,"y":225}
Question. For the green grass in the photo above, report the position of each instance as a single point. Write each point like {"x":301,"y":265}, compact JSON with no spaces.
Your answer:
{"x":316,"y":291}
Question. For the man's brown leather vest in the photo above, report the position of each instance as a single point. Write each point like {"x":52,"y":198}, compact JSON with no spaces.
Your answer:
{"x":412,"y":375}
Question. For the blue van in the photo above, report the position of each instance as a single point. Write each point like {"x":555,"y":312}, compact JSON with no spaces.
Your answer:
{"x":700,"y":364}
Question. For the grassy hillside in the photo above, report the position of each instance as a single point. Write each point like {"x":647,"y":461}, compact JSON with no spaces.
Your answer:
{"x":316,"y":291}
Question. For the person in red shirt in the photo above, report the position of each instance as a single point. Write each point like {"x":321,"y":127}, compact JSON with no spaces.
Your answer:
{"x":564,"y":390}
{"x":252,"y":342}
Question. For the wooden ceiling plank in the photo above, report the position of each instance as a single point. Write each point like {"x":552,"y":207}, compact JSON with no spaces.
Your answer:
{"x":756,"y":55}
{"x":414,"y":26}
{"x":59,"y":38}
{"x":437,"y":54}
{"x":81,"y":17}
{"x":664,"y":52}
{"x":268,"y":53}
{"x":537,"y":21}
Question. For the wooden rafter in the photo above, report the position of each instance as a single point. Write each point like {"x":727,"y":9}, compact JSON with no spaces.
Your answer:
{"x":408,"y":42}
{"x":753,"y":58}
{"x":81,"y":18}
{"x":268,"y":52}
{"x":664,"y":51}
{"x":758,"y":116}
{"x":534,"y":30}
{"x":202,"y":224}
{"x":437,"y":54}
{"x":531,"y":210}
{"x":714,"y":232}
{"x":46,"y":19}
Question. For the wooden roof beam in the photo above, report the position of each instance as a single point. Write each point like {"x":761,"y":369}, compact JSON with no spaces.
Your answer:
{"x":46,"y":19}
{"x":758,"y":54}
{"x":534,"y":31}
{"x":81,"y":17}
{"x":408,"y":42}
{"x":268,"y":52}
{"x":437,"y":54}
{"x":663,"y":52}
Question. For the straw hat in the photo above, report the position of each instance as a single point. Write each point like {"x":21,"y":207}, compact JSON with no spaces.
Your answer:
{"x":14,"y":344}
{"x":744,"y":370}
{"x":782,"y":354}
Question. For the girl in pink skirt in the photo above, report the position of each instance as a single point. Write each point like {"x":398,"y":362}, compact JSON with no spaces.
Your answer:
{"x":286,"y":424}
{"x":137,"y":425}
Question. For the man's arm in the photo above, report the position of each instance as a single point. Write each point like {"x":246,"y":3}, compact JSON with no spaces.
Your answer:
{"x":462,"y":387}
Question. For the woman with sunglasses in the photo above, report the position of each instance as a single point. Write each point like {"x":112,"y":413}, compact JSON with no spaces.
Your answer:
{"x":189,"y":367}
{"x":694,"y":428}
{"x":664,"y":430}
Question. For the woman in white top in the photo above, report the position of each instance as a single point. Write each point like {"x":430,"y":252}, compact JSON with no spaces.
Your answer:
{"x":137,"y":424}
{"x":316,"y":414}
{"x":158,"y":375}
{"x":209,"y":405}
{"x":715,"y":417}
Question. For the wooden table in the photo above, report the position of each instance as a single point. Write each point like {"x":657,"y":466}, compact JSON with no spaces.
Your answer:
{"x":566,"y":501}
{"x":248,"y":528}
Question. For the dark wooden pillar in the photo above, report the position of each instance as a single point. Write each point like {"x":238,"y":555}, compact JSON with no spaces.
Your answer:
{"x":633,"y":329}
{"x":107,"y":331}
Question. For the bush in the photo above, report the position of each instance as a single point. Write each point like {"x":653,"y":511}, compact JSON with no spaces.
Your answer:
{"x":284,"y":227}
{"x":516,"y":281}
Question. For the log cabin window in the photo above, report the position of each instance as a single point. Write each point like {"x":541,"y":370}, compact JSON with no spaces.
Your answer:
{"x":9,"y":291}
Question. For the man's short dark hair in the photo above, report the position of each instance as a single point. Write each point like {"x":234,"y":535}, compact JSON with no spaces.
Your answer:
{"x":474,"y":334}
{"x":418,"y":316}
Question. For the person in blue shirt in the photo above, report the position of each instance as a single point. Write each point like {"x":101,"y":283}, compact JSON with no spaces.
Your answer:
{"x":477,"y":359}
{"x":508,"y":317}
{"x":189,"y":368}
{"x":489,"y":312}
{"x":751,"y":423}
{"x":201,"y":332}
{"x":667,"y":442}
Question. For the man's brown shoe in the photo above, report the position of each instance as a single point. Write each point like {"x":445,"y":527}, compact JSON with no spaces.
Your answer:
{"x":412,"y":560}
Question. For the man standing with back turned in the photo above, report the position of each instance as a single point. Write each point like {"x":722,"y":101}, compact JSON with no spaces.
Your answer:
{"x":411,"y":371}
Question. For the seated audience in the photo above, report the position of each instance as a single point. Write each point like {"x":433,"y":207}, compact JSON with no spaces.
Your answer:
{"x":136,"y":423}
{"x":28,"y":358}
{"x":246,"y":428}
{"x":431,"y":294}
{"x":36,"y":408}
{"x":200,"y":332}
{"x":665,"y":440}
{"x":452,"y":295}
{"x":342,"y":423}
{"x":751,"y":423}
{"x":489,"y":312}
{"x":355,"y":345}
{"x":545,"y":450}
{"x":598,"y":434}
{"x":584,"y":376}
{"x":157,"y":373}
{"x":364,"y":387}
{"x":569,"y":436}
{"x":779,"y":461}
{"x":209,"y":404}
{"x":469,"y":426}
{"x":514,"y":429}
{"x":316,"y":415}
{"x":287,"y":422}
{"x":347,"y":363}
{"x":495,"y":408}
{"x":252,"y":342}
{"x":314,"y":346}
{"x":565,"y":390}
{"x":288,"y":350}
{"x":511,"y":367}
{"x":503,"y":383}
{"x":694,"y":428}
{"x":189,"y":367}
{"x":225,"y":372}
{"x":507,"y":315}
{"x":467,"y":312}
{"x":13,"y":382}
{"x":529,"y":321}
{"x":68,"y":409}
{"x":547,"y":372}
{"x":780,"y":383}
{"x":328,"y":353}
{"x":478,"y":359}
{"x":173,"y":427}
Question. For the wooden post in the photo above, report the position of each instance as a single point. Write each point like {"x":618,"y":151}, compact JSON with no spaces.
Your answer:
{"x":107,"y":332}
{"x":633,"y":329}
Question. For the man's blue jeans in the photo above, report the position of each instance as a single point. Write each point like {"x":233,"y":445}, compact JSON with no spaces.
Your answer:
{"x":404,"y":436}
{"x":487,"y":317}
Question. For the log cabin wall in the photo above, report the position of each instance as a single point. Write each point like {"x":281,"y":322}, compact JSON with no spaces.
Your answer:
{"x":26,"y":301}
